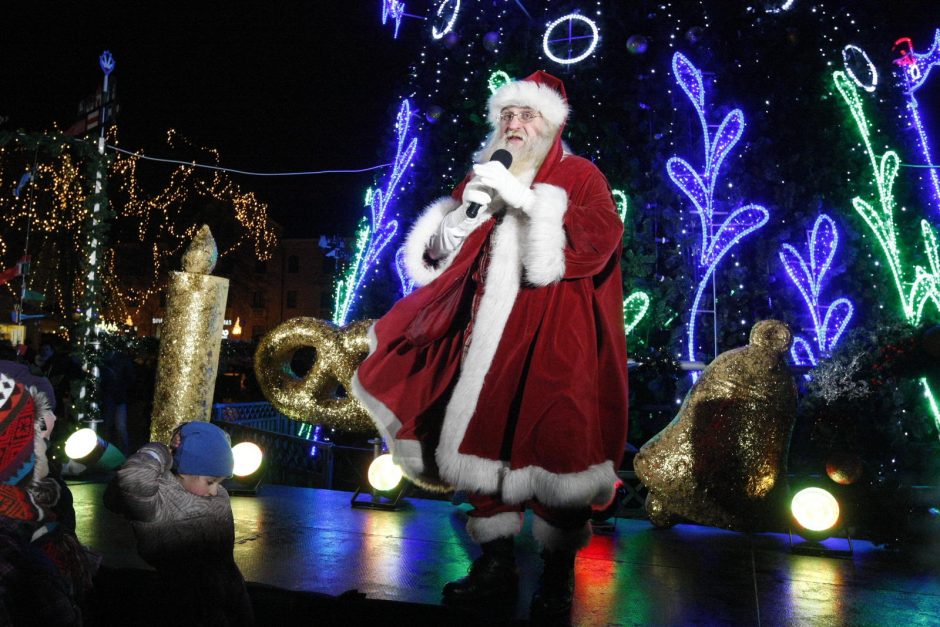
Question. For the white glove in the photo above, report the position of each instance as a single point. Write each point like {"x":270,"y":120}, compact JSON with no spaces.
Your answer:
{"x":456,"y":225}
{"x":474,"y":192}
{"x":495,"y":176}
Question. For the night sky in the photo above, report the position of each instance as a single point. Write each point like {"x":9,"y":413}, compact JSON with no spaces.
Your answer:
{"x":285,"y":86}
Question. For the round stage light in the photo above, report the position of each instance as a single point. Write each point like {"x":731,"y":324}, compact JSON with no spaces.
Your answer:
{"x":81,"y":443}
{"x":248,"y":458}
{"x":384,"y":474}
{"x":86,"y":448}
{"x":815,"y":509}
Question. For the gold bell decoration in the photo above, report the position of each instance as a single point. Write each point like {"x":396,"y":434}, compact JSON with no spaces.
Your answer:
{"x":722,"y":461}
{"x":315,"y":397}
{"x":190,"y":339}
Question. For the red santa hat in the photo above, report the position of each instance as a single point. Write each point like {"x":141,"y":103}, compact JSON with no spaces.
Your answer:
{"x":540,"y":91}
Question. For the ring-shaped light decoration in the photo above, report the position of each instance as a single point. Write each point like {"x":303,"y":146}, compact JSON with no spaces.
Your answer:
{"x":571,"y":17}
{"x":852,"y":50}
{"x":437,"y":34}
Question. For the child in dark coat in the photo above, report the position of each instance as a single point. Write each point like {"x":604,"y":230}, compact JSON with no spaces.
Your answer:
{"x":182,"y":519}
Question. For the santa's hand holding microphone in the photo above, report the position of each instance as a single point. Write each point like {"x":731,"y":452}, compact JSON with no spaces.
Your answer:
{"x":460,"y":222}
{"x":495,"y":176}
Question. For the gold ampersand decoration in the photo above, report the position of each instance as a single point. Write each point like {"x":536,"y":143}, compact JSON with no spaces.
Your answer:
{"x":313,"y":398}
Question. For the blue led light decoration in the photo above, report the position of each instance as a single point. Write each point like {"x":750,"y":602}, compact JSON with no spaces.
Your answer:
{"x":373,"y":237}
{"x":915,"y":68}
{"x":407,"y":283}
{"x":395,"y":10}
{"x":808,"y":277}
{"x":717,"y":239}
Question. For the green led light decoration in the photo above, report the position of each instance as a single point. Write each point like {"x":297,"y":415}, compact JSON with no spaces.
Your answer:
{"x":497,"y":79}
{"x":635,"y":307}
{"x":925,"y":286}
{"x":931,"y":402}
{"x":346,"y":286}
{"x":621,"y":199}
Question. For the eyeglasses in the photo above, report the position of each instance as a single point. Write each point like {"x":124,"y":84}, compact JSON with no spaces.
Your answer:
{"x":525,"y":116}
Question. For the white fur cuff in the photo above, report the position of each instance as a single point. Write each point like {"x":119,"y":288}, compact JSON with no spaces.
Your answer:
{"x":553,"y":539}
{"x":418,"y":238}
{"x":544,"y":242}
{"x":504,"y":525}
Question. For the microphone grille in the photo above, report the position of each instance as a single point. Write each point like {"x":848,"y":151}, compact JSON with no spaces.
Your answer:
{"x":503,"y":156}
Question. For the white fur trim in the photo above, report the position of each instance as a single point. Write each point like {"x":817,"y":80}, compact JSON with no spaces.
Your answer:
{"x":594,"y":486}
{"x":553,"y":539}
{"x":502,"y":525}
{"x":499,"y":294}
{"x":417,"y":241}
{"x":405,"y":453}
{"x":544,"y":248}
{"x":540,"y":97}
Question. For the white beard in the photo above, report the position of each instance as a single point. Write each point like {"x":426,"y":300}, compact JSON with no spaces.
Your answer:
{"x":525,"y":158}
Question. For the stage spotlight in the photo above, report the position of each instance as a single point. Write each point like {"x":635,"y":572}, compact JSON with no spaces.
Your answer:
{"x":386,"y":482}
{"x":817,"y":515}
{"x":247,"y":472}
{"x":384,"y":474}
{"x":248,"y":458}
{"x":86,"y":450}
{"x":815,"y":510}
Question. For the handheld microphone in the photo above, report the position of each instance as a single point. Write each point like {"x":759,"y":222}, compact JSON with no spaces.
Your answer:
{"x":504,"y":157}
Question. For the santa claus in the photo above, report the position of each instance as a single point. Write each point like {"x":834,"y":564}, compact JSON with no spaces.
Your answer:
{"x":505,"y":374}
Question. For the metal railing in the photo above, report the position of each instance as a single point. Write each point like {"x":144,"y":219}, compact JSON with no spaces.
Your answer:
{"x":289,"y":458}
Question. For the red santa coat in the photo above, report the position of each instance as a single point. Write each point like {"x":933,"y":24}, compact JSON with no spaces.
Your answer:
{"x":541,"y":340}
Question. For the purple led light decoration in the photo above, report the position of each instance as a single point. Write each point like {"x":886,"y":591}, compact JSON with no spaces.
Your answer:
{"x":717,"y":239}
{"x":808,"y":278}
{"x":407,"y":283}
{"x":915,"y":68}
{"x":382,"y":229}
{"x":395,"y":10}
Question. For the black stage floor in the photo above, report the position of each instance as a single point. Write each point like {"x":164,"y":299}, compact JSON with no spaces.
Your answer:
{"x":307,"y":554}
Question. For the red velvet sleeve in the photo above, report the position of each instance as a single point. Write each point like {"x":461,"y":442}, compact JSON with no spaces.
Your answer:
{"x":593,"y":229}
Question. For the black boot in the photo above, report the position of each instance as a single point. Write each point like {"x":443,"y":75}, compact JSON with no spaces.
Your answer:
{"x":556,"y":586}
{"x":492,"y":576}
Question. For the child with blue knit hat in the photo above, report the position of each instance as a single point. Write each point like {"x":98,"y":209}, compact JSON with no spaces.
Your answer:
{"x":182,"y":518}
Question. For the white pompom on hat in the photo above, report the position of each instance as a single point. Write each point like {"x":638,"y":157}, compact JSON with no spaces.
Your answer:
{"x":540,"y":91}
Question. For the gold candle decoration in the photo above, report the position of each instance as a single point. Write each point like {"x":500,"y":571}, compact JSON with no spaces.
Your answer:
{"x":723,"y":460}
{"x":313,"y":398}
{"x":190,"y":339}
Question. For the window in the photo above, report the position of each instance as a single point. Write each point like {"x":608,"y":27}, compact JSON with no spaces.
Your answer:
{"x":291,"y":299}
{"x":293,"y":264}
{"x":257,"y":300}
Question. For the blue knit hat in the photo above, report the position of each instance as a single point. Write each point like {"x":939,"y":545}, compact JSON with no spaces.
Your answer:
{"x":204,"y":450}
